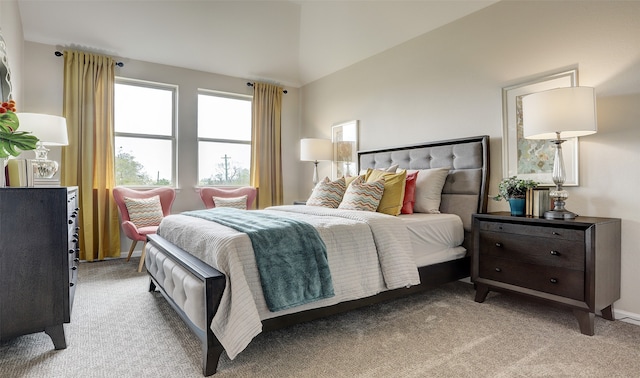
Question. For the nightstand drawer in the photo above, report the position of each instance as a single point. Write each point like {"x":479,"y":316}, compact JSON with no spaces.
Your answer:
{"x":533,"y":249}
{"x":553,"y":233}
{"x":553,"y":280}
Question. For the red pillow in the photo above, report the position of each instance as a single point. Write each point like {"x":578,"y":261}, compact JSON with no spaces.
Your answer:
{"x":409,"y":193}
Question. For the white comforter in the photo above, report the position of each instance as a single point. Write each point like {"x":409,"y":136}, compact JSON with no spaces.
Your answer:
{"x":367,"y":252}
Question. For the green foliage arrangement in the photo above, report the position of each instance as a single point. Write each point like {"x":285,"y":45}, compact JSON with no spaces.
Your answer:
{"x":12,"y":141}
{"x":514,"y":187}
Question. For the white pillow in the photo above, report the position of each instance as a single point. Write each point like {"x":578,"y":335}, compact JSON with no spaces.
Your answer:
{"x":235,"y":202}
{"x":429,"y":184}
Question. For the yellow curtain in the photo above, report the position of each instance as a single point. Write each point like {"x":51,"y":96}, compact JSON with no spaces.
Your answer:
{"x":89,"y":160}
{"x":266,"y":157}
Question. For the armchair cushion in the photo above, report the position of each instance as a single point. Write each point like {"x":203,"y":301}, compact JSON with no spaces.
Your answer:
{"x":144,"y":212}
{"x":234,"y":202}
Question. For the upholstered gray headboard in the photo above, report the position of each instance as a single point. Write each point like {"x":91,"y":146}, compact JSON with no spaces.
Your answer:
{"x":465,"y":191}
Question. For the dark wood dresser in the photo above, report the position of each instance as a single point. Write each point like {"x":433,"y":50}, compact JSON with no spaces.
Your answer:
{"x":38,"y":260}
{"x":575,"y":263}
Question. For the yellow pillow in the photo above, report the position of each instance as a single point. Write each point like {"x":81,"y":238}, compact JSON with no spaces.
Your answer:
{"x":348,"y":180}
{"x":393,"y":195}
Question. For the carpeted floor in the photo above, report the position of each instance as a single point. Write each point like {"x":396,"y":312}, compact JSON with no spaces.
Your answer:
{"x":119,"y":329}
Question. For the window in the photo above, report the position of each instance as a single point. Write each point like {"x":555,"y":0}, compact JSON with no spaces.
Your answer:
{"x":144,"y":133}
{"x":224,"y":139}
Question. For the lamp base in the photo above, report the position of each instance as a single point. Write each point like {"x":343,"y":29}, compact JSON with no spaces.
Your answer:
{"x":44,"y":168}
{"x":559,"y":214}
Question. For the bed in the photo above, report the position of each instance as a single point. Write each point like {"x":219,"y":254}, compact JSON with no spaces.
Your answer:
{"x":226,"y":311}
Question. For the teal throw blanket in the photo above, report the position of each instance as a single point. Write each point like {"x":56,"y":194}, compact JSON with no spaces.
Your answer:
{"x":290,"y":255}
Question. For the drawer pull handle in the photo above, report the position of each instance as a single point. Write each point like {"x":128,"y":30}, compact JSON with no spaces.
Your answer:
{"x":555,"y":253}
{"x":71,"y":251}
{"x":499,"y":245}
{"x":553,"y":280}
{"x":71,"y":284}
{"x":555,"y":233}
{"x":74,"y":268}
{"x":498,"y":270}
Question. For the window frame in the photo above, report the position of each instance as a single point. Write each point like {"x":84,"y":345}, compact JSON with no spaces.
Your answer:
{"x":229,"y":95}
{"x":172,"y":138}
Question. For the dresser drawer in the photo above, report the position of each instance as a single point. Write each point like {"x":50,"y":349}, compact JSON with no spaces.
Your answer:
{"x":553,"y":280}
{"x":548,"y":232}
{"x":563,"y":253}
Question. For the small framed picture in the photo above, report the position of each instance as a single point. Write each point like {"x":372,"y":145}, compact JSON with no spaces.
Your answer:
{"x":345,"y":149}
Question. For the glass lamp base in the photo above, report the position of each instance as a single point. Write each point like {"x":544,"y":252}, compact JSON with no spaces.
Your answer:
{"x":43,"y":168}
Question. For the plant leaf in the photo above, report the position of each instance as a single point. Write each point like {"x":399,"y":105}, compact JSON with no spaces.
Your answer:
{"x":14,"y":143}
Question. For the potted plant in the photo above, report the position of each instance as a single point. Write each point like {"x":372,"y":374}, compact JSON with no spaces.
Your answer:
{"x":514,"y":190}
{"x":12,"y":141}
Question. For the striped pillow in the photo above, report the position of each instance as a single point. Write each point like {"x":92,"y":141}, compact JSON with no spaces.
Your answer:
{"x":234,"y":202}
{"x":144,"y":212}
{"x":361,"y":195}
{"x":328,"y":193}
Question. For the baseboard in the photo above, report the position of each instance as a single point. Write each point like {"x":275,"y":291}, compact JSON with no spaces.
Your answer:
{"x":627,"y":317}
{"x":136,"y":253}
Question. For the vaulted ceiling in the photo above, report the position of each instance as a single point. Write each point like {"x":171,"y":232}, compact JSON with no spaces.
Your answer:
{"x":288,"y":42}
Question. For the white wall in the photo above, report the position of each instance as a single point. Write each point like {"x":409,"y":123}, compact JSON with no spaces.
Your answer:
{"x":447,"y":84}
{"x":43,"y":88}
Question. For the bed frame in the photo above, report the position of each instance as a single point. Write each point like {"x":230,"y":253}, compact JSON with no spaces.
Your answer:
{"x":194,"y":288}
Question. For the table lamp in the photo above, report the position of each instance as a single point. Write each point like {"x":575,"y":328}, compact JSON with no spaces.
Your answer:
{"x":546,"y":115}
{"x":314,"y":149}
{"x":51,"y":131}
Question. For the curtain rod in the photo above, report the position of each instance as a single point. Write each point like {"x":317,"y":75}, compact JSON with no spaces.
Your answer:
{"x":119,"y":64}
{"x":250,"y":84}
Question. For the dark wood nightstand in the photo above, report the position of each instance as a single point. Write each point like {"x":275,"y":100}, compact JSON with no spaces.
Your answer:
{"x":575,"y":263}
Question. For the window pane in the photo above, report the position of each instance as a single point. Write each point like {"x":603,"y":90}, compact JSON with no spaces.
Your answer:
{"x":224,"y":118}
{"x":143,"y":110}
{"x":143,"y":161}
{"x":223,"y":163}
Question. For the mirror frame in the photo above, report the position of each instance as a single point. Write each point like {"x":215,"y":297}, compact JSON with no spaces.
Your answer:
{"x":5,"y":72}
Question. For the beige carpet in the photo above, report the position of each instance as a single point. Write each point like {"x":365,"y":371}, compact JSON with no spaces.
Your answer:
{"x":118,"y":329}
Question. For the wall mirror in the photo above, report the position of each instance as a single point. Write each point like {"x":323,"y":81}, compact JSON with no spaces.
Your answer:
{"x":5,"y":72}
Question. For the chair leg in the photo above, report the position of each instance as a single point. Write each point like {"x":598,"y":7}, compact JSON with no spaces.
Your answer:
{"x":144,"y":252}
{"x":133,"y":246}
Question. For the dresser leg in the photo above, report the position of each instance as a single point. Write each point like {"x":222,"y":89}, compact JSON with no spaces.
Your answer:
{"x":481,"y":292}
{"x":585,"y":321}
{"x":607,"y":312}
{"x":56,"y":333}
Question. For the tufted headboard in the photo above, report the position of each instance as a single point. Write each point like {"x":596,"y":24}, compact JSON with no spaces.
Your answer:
{"x":465,"y":191}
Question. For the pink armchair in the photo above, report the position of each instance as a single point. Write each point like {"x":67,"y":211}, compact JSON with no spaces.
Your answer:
{"x":207,"y":194}
{"x":133,"y":232}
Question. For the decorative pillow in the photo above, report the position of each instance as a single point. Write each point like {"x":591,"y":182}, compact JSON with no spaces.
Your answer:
{"x":361,"y":195}
{"x":391,"y":169}
{"x":394,"y":184}
{"x":328,"y":193}
{"x":409,"y":193}
{"x":234,"y":202}
{"x":144,"y":212}
{"x":429,"y":184}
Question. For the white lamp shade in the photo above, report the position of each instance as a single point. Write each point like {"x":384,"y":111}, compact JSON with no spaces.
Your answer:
{"x":314,"y":149}
{"x":570,"y":111}
{"x":49,"y":129}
